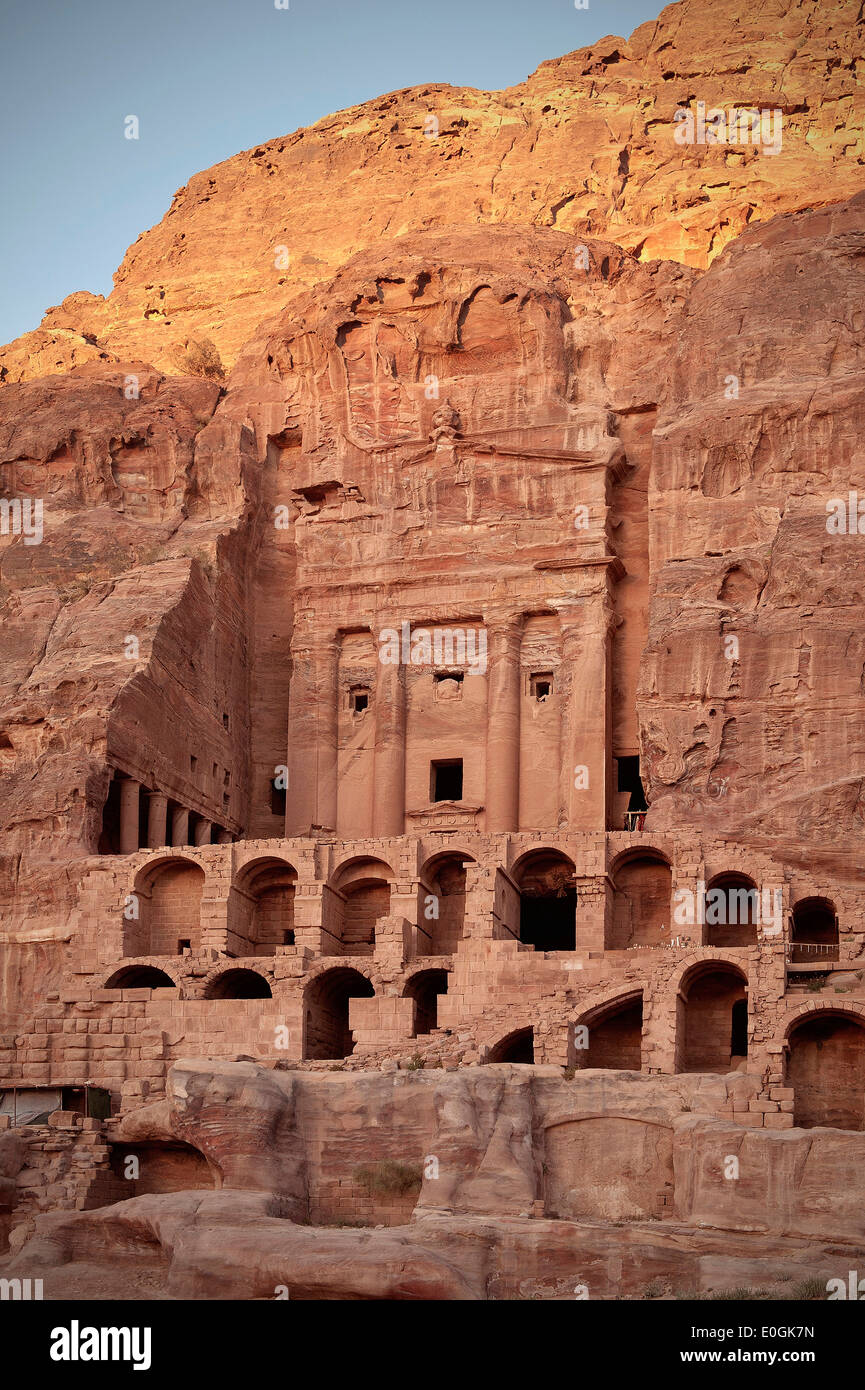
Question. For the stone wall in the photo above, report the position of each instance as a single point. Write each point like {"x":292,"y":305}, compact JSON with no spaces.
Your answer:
{"x":355,"y":1011}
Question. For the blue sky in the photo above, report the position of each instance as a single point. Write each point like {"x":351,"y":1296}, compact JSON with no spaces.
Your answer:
{"x":207,"y":78}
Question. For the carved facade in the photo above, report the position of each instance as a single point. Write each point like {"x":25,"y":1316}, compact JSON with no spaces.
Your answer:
{"x":425,"y":833}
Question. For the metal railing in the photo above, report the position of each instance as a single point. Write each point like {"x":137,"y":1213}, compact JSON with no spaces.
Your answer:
{"x":811,"y":952}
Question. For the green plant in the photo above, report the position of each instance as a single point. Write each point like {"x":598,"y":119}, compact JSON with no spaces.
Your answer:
{"x":416,"y":1063}
{"x":389,"y":1176}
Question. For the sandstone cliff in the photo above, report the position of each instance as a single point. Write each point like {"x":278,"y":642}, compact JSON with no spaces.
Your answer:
{"x":585,"y":145}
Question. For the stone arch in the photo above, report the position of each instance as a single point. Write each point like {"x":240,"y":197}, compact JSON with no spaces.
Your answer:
{"x":326,"y":1026}
{"x":140,"y":976}
{"x":581,"y":1182}
{"x":444,"y":875}
{"x":825,"y":1066}
{"x":711,"y":1017}
{"x":614,"y":1035}
{"x":813,"y":931}
{"x":518,"y":1046}
{"x":162,"y":1166}
{"x":424,"y":987}
{"x":166,"y":897}
{"x":642,"y":882}
{"x":347,"y":870}
{"x":545,"y":880}
{"x":261,"y":907}
{"x":363,"y":887}
{"x":237,"y":982}
{"x":732,"y":910}
{"x":806,"y":1010}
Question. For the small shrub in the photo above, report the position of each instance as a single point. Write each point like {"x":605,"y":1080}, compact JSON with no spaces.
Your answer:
{"x":654,"y":1289}
{"x":415,"y":1063}
{"x":389,"y":1176}
{"x":807,"y":1291}
{"x":198,"y":358}
{"x":740,"y":1295}
{"x":282,"y":1207}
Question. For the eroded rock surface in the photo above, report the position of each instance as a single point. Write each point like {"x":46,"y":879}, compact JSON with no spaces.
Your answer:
{"x":551,"y":308}
{"x":502,"y":1142}
{"x":752,"y":677}
{"x":586,"y":145}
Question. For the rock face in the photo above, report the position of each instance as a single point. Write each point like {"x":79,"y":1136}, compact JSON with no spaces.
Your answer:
{"x":387,"y":706}
{"x":753,"y":672}
{"x":586,"y":145}
{"x":500,"y":1142}
{"x":120,"y":608}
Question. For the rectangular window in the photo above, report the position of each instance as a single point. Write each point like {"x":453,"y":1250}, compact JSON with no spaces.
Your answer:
{"x":277,"y":799}
{"x":628,"y":774}
{"x":446,"y":780}
{"x":448,"y":685}
{"x":541,"y":685}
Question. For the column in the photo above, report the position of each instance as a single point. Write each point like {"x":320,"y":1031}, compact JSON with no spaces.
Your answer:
{"x":586,"y":734}
{"x":202,"y":832}
{"x":129,"y":813}
{"x":223,"y":837}
{"x":312,"y":735}
{"x":503,"y":724}
{"x":327,"y":729}
{"x":157,"y":817}
{"x":180,"y":826}
{"x":388,"y":791}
